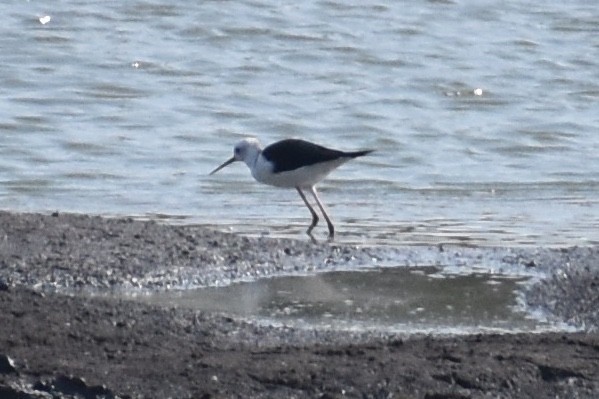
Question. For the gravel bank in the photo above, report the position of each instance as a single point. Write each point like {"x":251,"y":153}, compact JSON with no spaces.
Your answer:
{"x":66,"y":345}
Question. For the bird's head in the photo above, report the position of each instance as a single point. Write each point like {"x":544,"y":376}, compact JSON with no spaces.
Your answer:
{"x":247,"y":150}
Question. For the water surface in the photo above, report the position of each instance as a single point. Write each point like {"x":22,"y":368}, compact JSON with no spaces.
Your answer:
{"x":391,"y":299}
{"x":483,"y":114}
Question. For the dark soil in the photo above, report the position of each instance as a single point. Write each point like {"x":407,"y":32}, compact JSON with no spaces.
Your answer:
{"x":57,"y":343}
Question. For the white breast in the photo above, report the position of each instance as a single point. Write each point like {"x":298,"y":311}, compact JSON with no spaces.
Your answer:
{"x":303,"y":177}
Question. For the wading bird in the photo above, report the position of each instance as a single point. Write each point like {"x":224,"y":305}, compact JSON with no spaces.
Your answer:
{"x":292,"y":163}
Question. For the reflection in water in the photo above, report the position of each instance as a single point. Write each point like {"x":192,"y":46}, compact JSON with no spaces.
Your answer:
{"x":393,"y":299}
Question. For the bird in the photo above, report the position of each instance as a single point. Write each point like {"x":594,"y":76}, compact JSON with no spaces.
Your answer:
{"x":292,"y":163}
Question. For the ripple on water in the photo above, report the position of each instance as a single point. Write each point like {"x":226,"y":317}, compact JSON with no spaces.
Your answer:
{"x":480,"y":115}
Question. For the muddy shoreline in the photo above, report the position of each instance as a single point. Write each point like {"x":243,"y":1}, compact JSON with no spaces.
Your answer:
{"x":55,"y":343}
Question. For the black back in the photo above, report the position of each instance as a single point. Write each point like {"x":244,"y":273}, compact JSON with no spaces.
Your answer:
{"x":290,"y":154}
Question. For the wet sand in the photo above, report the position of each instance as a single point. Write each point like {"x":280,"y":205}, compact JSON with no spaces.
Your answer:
{"x":56,"y":342}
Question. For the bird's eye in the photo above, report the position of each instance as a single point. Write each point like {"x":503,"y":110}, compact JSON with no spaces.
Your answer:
{"x":237,"y":150}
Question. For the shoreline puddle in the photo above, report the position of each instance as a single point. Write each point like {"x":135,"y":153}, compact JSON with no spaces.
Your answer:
{"x":389,"y":299}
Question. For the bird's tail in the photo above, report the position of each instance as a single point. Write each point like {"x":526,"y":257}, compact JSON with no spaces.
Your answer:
{"x":355,"y":154}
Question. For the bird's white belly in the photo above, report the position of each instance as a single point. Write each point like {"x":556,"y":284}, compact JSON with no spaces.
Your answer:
{"x":305,"y":176}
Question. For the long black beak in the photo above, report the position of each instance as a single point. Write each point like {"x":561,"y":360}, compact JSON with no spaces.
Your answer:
{"x":229,"y":162}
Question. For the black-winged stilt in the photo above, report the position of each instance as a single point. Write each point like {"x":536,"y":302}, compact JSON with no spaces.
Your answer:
{"x":292,"y":163}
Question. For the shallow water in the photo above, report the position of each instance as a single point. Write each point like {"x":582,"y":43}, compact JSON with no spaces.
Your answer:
{"x":483,"y":114}
{"x":391,"y":299}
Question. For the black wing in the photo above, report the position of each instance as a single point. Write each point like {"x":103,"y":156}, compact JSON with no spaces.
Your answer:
{"x":291,"y":154}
